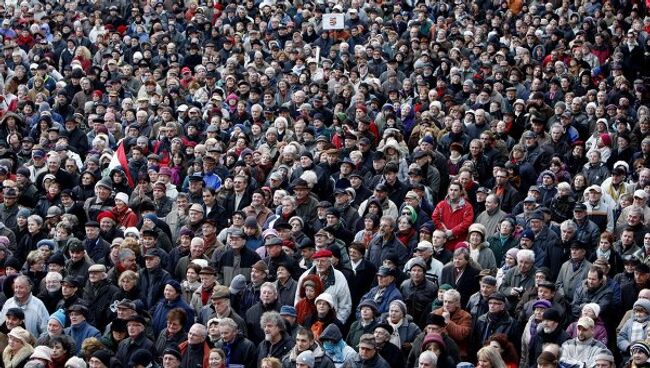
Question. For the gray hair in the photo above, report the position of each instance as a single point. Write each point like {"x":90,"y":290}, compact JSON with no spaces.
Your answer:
{"x":273,"y":318}
{"x":564,"y":186}
{"x":388,"y":219}
{"x":454,"y":294}
{"x":270,"y":285}
{"x":524,"y":254}
{"x":291,"y":199}
{"x":36,"y":218}
{"x":568,"y":224}
{"x":636,"y":211}
{"x":229,"y":322}
{"x":125,"y":253}
{"x":26,"y":280}
{"x":53,"y":276}
{"x":200,"y":329}
{"x":428,"y":356}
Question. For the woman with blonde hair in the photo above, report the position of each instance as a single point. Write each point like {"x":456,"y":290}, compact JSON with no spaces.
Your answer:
{"x":270,"y":362}
{"x":128,"y":284}
{"x":17,"y":353}
{"x":489,"y":357}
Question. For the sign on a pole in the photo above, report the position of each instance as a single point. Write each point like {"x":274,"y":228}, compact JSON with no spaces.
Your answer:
{"x":333,"y":21}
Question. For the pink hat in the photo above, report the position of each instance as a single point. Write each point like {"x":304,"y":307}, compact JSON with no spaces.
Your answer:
{"x":164,"y":170}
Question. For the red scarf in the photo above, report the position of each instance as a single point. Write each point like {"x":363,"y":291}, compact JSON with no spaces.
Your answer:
{"x":404,"y":237}
{"x":205,"y":295}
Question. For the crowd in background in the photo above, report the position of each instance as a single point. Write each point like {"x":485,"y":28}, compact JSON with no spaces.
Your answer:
{"x":430,"y":184}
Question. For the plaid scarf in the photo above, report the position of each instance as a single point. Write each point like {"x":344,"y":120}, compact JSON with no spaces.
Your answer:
{"x":638,"y":331}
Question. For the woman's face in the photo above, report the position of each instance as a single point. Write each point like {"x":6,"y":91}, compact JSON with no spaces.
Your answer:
{"x":322,"y":307}
{"x":404,"y":225}
{"x":395,"y":314}
{"x":483,"y":363}
{"x":174,"y":326}
{"x":33,"y":227}
{"x":191,"y":275}
{"x":215,"y":360}
{"x":15,"y":344}
{"x":579,"y":181}
{"x":369,"y":224}
{"x":57,"y":350}
{"x":605,"y":245}
{"x":310,"y":292}
{"x":127,"y":284}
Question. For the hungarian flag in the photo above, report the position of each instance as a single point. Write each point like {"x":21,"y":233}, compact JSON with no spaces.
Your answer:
{"x":120,"y":160}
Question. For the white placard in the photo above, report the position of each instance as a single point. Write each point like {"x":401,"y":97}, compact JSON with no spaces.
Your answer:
{"x":333,"y":21}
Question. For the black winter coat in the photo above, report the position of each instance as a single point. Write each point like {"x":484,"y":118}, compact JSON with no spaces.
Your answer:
{"x":151,"y":285}
{"x":99,"y":298}
{"x":241,"y":351}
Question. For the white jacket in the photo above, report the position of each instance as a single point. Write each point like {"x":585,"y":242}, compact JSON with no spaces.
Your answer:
{"x":339,"y":290}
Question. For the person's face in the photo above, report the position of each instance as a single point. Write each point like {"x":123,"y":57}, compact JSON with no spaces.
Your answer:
{"x":381,"y":335}
{"x":271,"y":330}
{"x":215,"y":359}
{"x":21,"y":289}
{"x":236,"y":242}
{"x":134,"y":329}
{"x":487,"y":289}
{"x":94,"y":276}
{"x":174,"y":326}
{"x":450,"y":304}
{"x":257,"y":276}
{"x":151,"y":262}
{"x":593,"y":281}
{"x":322,"y":307}
{"x":577,"y":254}
{"x":76,"y":318}
{"x":627,"y":238}
{"x":195,"y":336}
{"x":32,"y":226}
{"x":567,"y":234}
{"x":641,"y":278}
{"x":454,"y":192}
{"x":12,"y":321}
{"x":460,"y":261}
{"x":585,"y":333}
{"x":495,"y":306}
{"x":170,"y":293}
{"x":54,"y":329}
{"x":227,"y":333}
{"x":483,"y":363}
{"x":366,"y":353}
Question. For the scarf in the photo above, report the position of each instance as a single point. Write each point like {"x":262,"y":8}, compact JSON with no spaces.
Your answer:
{"x":455,"y":158}
{"x":405,"y":236}
{"x":367,"y":237}
{"x":60,"y":361}
{"x":638,"y":330}
{"x":206,"y":294}
{"x":334,"y":350}
{"x":317,"y":328}
{"x":395,"y":339}
{"x":602,"y":254}
{"x":18,"y":359}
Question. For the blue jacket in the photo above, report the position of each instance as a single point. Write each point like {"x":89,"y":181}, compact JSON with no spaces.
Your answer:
{"x":81,"y":332}
{"x":391,"y":293}
{"x":159,"y":317}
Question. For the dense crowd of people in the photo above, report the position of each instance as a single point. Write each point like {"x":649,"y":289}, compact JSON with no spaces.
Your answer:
{"x":324,"y":184}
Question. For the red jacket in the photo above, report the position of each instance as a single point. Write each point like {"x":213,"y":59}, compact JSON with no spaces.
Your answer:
{"x":457,"y":221}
